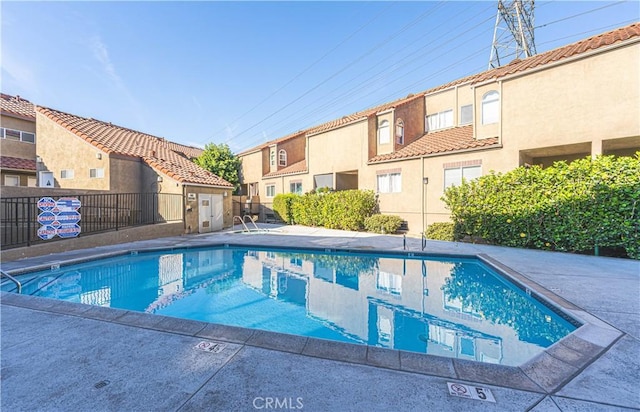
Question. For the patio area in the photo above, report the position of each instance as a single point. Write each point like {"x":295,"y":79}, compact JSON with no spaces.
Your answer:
{"x":64,"y":356}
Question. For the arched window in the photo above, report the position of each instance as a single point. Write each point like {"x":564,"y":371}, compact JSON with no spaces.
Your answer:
{"x":400,"y":131}
{"x":384,"y":136}
{"x":282,"y":157}
{"x":491,"y":107}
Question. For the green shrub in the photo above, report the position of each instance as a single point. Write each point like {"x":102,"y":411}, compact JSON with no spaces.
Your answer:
{"x":576,"y":207}
{"x":382,"y":223}
{"x":441,"y":231}
{"x":283,"y":206}
{"x":344,"y":210}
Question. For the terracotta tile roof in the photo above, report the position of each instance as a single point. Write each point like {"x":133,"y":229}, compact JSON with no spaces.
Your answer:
{"x":448,"y":140}
{"x":272,"y":142}
{"x":170,"y":158}
{"x":299,"y":167}
{"x":345,"y":120}
{"x":592,"y":43}
{"x":17,"y":106}
{"x":17,"y":163}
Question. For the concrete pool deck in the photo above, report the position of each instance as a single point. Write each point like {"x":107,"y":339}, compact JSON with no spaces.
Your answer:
{"x":64,"y":356}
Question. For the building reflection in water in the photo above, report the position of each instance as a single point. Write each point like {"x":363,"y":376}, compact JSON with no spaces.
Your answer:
{"x":457,"y":309}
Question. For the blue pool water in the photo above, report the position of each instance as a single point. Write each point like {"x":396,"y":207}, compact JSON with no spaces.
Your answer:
{"x":441,"y":306}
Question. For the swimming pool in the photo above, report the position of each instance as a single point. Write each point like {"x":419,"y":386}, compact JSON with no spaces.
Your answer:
{"x":441,"y":306}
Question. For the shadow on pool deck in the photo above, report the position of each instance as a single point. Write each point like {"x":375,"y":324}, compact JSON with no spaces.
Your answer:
{"x":64,"y":356}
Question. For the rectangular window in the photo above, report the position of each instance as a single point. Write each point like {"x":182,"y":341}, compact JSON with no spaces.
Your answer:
{"x":390,"y":182}
{"x":454,"y":176}
{"x":96,"y":173}
{"x":439,"y":120}
{"x":253,"y":189}
{"x":17,"y":135}
{"x":271,"y":190}
{"x":272,"y":157}
{"x":66,"y":174}
{"x":32,"y":182}
{"x":12,"y":134}
{"x":12,"y":180}
{"x":389,"y":282}
{"x":466,"y":114}
{"x":295,"y":187}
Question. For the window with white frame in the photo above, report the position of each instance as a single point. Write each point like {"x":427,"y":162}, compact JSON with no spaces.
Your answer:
{"x":10,"y":180}
{"x":384,"y":135}
{"x":282,"y":158}
{"x":439,"y":120}
{"x":18,"y":135}
{"x":270,"y":190}
{"x":272,"y":157}
{"x":389,"y":283}
{"x":389,"y":182}
{"x":400,"y":131}
{"x":453,"y":176}
{"x":96,"y":173}
{"x":253,"y":189}
{"x":466,"y":114}
{"x":490,"y":107}
{"x":66,"y":174}
{"x":32,"y":182}
{"x":295,"y":187}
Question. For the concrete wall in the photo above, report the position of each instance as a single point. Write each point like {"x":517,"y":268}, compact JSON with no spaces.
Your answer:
{"x":95,"y":240}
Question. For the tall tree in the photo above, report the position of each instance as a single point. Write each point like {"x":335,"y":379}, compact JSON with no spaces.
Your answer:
{"x":218,"y":159}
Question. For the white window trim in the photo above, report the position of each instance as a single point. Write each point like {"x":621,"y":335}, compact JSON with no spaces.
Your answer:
{"x":12,"y":177}
{"x":383,"y":127}
{"x":67,"y":174}
{"x":491,"y":107}
{"x":282,"y":157}
{"x":462,"y":169}
{"x":400,"y":131}
{"x":439,"y":121}
{"x":99,"y":173}
{"x":21,"y":134}
{"x":267,"y":191}
{"x":389,"y":182}
{"x":470,"y":106}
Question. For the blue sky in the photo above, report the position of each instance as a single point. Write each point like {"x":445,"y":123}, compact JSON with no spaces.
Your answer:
{"x":242,"y":73}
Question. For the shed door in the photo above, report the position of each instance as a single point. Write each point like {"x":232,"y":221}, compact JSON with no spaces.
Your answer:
{"x":210,"y":212}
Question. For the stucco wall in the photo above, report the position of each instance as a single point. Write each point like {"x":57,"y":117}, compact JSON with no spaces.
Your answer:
{"x":338,"y":150}
{"x":13,"y":148}
{"x":192,"y":210}
{"x":295,"y":148}
{"x":584,"y":101}
{"x":412,"y":114}
{"x":55,"y":146}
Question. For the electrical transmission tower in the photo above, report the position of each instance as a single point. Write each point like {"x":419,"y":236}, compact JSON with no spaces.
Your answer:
{"x":513,"y":33}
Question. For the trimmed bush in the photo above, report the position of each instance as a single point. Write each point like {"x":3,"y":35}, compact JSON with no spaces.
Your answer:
{"x":283,"y":206}
{"x":382,"y":223}
{"x":586,"y":205}
{"x":440,"y":231}
{"x":344,"y":210}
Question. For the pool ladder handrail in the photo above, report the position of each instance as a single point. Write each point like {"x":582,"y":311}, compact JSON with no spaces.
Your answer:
{"x":14,"y":280}
{"x":242,"y":220}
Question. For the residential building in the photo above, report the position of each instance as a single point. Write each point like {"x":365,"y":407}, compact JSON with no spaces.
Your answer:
{"x":17,"y":141}
{"x":575,"y":101}
{"x":120,"y":160}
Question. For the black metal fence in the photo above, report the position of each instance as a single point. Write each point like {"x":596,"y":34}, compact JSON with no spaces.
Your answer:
{"x":98,"y":213}
{"x":263,"y":212}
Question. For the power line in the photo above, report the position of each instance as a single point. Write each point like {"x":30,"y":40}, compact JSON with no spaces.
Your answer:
{"x":387,"y":40}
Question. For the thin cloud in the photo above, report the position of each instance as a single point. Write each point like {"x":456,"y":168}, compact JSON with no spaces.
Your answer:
{"x":17,"y":75}
{"x":101,"y":53}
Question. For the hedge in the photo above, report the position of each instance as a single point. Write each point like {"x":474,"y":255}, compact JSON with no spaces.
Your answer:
{"x":440,"y":231}
{"x":577,"y":207}
{"x":382,"y":223}
{"x":345,"y":209}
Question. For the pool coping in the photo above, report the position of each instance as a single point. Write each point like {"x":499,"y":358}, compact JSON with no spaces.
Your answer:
{"x":546,"y":373}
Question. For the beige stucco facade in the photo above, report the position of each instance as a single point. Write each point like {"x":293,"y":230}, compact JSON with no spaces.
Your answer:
{"x":18,"y":149}
{"x":563,"y":110}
